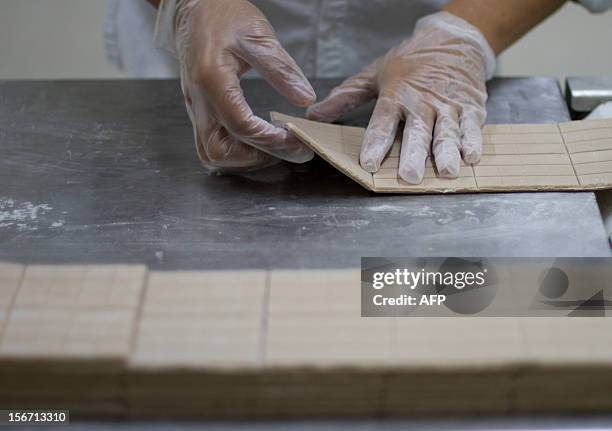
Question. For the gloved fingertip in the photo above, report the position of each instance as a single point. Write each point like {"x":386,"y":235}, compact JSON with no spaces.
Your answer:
{"x":312,"y":113}
{"x":370,"y":165}
{"x":297,"y":157}
{"x":315,"y":113}
{"x":300,"y":153}
{"x":303,"y":156}
{"x":411,"y":174}
{"x":308,"y":156}
{"x":311,"y":96}
{"x":306,"y":95}
{"x":472,"y":156}
{"x":278,"y":124}
{"x":471,"y":145}
{"x":448,"y":168}
{"x":305,"y":100}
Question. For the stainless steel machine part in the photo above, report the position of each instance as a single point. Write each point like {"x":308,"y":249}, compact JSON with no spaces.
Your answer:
{"x":585,"y":93}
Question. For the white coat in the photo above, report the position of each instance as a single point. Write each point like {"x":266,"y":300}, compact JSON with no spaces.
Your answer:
{"x":327,"y":38}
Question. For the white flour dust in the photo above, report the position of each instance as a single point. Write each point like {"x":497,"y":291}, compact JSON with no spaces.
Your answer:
{"x":21,"y":215}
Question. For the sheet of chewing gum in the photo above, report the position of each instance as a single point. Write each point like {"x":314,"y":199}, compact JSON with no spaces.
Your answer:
{"x":575,"y":156}
{"x":190,"y":319}
{"x":227,"y":319}
{"x":70,"y":312}
{"x":280,"y":343}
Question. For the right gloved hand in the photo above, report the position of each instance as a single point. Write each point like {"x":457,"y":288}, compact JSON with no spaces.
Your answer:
{"x":217,"y":41}
{"x":435,"y":81}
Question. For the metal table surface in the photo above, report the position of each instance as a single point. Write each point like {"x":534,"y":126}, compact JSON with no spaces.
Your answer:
{"x":105,"y":171}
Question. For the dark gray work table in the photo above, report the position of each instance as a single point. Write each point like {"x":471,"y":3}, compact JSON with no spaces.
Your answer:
{"x":106,"y":171}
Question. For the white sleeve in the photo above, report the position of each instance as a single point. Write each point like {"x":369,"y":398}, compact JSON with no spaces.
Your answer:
{"x":596,"y":6}
{"x":164,"y":27}
{"x":129,"y":41}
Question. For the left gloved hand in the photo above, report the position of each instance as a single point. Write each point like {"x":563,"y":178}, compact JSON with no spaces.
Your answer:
{"x":217,"y":42}
{"x":435,"y":82}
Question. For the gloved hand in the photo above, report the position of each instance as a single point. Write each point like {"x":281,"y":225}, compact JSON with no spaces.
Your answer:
{"x":435,"y":82}
{"x":217,"y":41}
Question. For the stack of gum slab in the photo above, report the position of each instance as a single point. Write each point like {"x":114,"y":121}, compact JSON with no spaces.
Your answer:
{"x":575,"y":156}
{"x":67,"y":335}
{"x":120,"y":341}
{"x":198,"y":350}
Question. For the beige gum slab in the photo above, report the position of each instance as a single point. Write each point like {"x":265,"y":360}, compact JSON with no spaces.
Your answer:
{"x":123,"y":341}
{"x":575,"y":156}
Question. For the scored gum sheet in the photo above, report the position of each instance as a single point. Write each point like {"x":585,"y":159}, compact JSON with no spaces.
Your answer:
{"x":526,"y":157}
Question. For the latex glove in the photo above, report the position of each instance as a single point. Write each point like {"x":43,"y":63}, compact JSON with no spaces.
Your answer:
{"x":435,"y":82}
{"x":217,"y":41}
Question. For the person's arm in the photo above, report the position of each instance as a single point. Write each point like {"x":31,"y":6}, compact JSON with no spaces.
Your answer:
{"x":503,"y":22}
